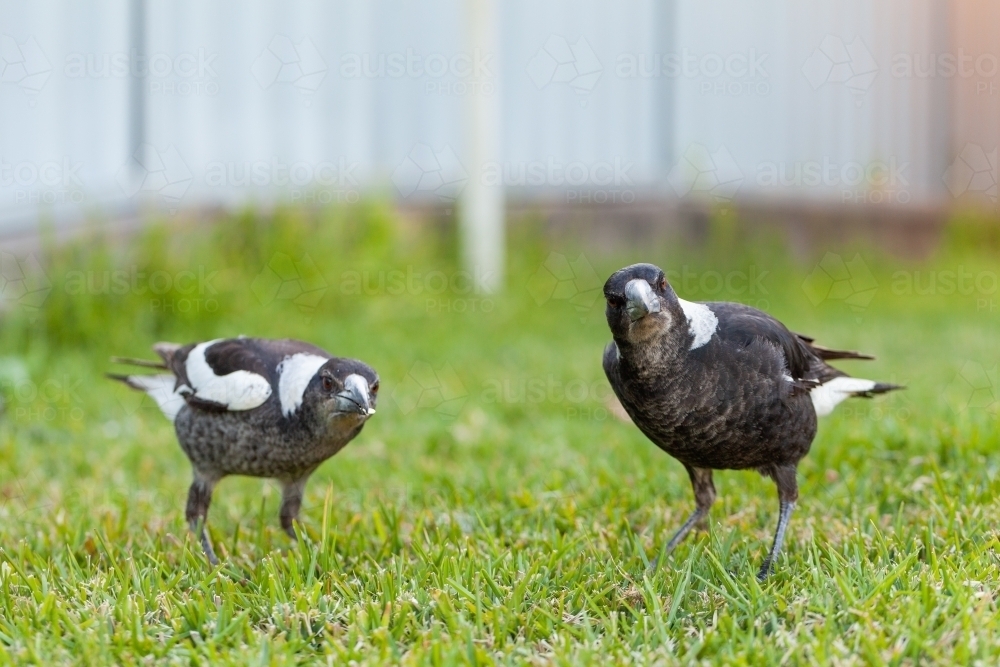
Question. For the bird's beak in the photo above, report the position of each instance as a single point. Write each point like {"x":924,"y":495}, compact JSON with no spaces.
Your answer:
{"x":640,"y":300}
{"x":355,"y":398}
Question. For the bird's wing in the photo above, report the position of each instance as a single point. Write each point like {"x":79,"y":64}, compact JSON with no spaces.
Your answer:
{"x":806,"y":362}
{"x":610,"y":363}
{"x":742,"y":325}
{"x":233,"y":374}
{"x":826,"y":353}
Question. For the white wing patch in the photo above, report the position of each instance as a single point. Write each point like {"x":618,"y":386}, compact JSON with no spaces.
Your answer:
{"x":161,"y":389}
{"x":702,"y":322}
{"x":294,"y":374}
{"x":239,"y":390}
{"x":826,"y":396}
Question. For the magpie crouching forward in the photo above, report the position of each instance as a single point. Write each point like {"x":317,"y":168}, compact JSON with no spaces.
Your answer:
{"x":720,"y":386}
{"x":257,"y":407}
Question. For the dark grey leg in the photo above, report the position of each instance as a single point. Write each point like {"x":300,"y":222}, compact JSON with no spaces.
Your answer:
{"x":291,"y":502}
{"x":704,"y":496}
{"x":788,"y":493}
{"x":199,"y":498}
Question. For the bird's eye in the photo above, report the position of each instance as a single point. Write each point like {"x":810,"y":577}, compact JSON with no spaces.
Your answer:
{"x":374,"y":387}
{"x":661,"y":284}
{"x":616,"y":301}
{"x":327,"y":383}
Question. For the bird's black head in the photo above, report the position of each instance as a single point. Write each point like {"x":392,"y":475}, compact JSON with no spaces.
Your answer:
{"x":641,"y":303}
{"x":344,"y":390}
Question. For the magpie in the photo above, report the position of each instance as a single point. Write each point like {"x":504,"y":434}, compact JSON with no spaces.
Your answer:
{"x":257,"y":407}
{"x":720,"y":386}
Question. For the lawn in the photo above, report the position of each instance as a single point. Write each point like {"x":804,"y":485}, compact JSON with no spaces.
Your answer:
{"x":495,"y":509}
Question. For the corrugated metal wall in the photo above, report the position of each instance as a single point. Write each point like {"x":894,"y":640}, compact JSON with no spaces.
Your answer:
{"x":247,"y":101}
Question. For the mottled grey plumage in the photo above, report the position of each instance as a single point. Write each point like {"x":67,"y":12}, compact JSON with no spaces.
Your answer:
{"x":719,"y":386}
{"x":258,"y":407}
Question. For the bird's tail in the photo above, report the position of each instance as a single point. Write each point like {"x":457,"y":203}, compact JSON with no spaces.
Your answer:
{"x":161,"y":388}
{"x":879,"y":388}
{"x":827,"y":353}
{"x":132,"y":361}
{"x":827,"y":395}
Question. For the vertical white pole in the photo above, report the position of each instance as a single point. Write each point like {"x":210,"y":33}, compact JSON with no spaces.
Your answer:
{"x":481,"y":211}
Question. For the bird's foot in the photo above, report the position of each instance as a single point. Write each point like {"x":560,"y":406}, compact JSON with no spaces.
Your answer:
{"x":765,"y":571}
{"x":209,"y":552}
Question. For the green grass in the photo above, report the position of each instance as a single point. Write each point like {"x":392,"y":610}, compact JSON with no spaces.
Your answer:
{"x":508,"y":517}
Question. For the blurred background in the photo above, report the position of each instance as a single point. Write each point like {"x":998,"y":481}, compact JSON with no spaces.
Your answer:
{"x":441,"y":188}
{"x":827,"y":118}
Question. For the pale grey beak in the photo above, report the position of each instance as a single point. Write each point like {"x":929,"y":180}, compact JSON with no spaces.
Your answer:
{"x":355,"y":398}
{"x":640,"y":300}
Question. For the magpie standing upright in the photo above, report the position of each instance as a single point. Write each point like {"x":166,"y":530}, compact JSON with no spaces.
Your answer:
{"x":257,"y":407}
{"x":720,"y":386}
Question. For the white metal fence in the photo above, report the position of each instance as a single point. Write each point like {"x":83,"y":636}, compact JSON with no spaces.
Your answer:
{"x":106,"y":103}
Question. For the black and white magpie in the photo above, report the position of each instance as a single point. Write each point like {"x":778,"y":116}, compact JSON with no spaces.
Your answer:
{"x":257,"y":407}
{"x":720,"y":386}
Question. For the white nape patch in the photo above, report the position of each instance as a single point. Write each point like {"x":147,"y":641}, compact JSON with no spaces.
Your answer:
{"x":239,"y":390}
{"x":702,"y":322}
{"x":161,"y":389}
{"x":826,"y":396}
{"x":294,"y":375}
